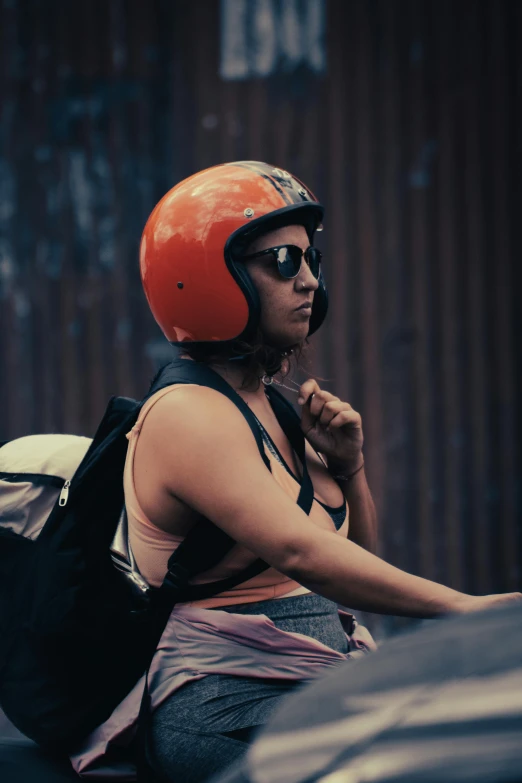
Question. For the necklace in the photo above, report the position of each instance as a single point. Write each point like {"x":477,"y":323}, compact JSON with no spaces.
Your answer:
{"x":268,"y":380}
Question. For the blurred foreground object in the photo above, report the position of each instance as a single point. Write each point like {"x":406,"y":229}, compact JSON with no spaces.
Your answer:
{"x":443,"y":703}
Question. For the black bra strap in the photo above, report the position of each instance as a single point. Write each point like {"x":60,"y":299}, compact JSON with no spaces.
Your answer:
{"x":291,"y":426}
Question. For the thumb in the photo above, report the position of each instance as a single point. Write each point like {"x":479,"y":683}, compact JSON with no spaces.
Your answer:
{"x":307,"y":420}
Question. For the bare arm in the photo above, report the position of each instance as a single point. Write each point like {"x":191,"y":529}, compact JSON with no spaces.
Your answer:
{"x":206,"y":456}
{"x":363,"y":518}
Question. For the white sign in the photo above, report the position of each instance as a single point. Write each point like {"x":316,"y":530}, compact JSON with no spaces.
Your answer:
{"x":263,"y":37}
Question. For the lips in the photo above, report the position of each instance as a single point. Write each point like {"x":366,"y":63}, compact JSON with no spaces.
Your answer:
{"x":305,"y":306}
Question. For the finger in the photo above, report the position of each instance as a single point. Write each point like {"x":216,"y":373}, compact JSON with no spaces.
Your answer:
{"x":310,"y":411}
{"x":345,"y":418}
{"x":331,"y":409}
{"x":319,"y":400}
{"x":308,"y":388}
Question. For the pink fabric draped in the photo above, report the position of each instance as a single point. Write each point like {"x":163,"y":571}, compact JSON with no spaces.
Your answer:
{"x":197,"y":642}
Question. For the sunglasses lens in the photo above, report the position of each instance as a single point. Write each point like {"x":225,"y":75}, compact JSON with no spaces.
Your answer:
{"x":288,"y":261}
{"x":313,"y":257}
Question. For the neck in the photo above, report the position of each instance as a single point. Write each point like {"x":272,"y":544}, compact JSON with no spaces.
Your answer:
{"x":235,"y":376}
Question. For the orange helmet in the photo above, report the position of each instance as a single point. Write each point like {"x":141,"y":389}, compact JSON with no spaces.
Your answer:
{"x":196,"y":291}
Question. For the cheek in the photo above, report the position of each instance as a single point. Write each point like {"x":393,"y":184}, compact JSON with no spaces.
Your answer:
{"x":270,"y":287}
{"x":274,"y":300}
{"x":275,"y":296}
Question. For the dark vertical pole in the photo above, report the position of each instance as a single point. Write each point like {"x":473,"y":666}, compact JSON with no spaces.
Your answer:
{"x":477,"y":291}
{"x":500,"y":289}
{"x":338,"y":138}
{"x":422,"y":145}
{"x":450,"y":319}
{"x":367,"y":227}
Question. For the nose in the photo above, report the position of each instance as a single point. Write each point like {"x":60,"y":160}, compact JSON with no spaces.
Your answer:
{"x":305,"y":278}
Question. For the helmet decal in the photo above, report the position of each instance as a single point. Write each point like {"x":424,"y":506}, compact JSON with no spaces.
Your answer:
{"x":290,"y":188}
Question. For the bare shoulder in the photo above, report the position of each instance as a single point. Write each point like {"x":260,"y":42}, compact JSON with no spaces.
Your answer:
{"x":196,"y":420}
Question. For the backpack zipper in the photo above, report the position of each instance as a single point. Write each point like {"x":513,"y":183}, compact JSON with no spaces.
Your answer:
{"x":64,"y":494}
{"x":40,"y":479}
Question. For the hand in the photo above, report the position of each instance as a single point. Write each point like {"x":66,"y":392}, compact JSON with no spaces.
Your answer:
{"x":331,"y":426}
{"x":479,"y":603}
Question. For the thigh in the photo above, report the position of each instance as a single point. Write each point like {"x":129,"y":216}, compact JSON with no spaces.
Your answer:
{"x":191,"y":756}
{"x":222,"y":703}
{"x":199,"y":730}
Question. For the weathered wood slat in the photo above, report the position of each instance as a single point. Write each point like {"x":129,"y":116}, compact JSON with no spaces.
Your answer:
{"x":407,"y":125}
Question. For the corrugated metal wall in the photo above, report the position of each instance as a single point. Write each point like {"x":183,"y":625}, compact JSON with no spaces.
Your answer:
{"x":412,"y":138}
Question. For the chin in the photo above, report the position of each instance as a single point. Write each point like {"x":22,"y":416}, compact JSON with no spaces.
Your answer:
{"x":288,"y":340}
{"x":295,"y":333}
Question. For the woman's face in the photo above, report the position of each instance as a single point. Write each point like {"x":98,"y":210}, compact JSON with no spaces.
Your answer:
{"x":282,"y":323}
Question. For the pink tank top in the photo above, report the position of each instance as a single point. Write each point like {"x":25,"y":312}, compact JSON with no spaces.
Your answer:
{"x":152,"y":547}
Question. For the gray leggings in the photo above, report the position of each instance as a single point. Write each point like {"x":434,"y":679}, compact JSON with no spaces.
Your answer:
{"x":207,"y":724}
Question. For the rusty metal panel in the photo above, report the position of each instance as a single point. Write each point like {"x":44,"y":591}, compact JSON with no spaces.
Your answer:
{"x":404,"y":119}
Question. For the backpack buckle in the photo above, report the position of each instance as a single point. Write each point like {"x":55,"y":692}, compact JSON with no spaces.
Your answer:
{"x":176,"y":578}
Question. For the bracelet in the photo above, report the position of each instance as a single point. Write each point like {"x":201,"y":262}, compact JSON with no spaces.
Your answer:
{"x":350,"y":475}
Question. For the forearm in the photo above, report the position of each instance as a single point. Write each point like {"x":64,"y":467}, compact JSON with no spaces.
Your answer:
{"x":351,"y":576}
{"x":362,"y":515}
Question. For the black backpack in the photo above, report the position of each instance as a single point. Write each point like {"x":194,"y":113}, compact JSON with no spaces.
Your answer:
{"x":74,"y":638}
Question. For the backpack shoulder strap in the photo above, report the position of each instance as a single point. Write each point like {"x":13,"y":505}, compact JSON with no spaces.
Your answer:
{"x":206,"y":544}
{"x":186,"y":371}
{"x":102,"y":464}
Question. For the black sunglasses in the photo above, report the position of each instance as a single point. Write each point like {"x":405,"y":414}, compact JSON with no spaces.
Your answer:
{"x":289,"y":257}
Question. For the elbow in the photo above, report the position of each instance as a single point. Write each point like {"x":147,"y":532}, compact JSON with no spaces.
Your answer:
{"x":301,"y":562}
{"x":290,"y":560}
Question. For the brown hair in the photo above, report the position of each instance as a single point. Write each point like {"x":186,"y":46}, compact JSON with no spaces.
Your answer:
{"x":257,"y":358}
